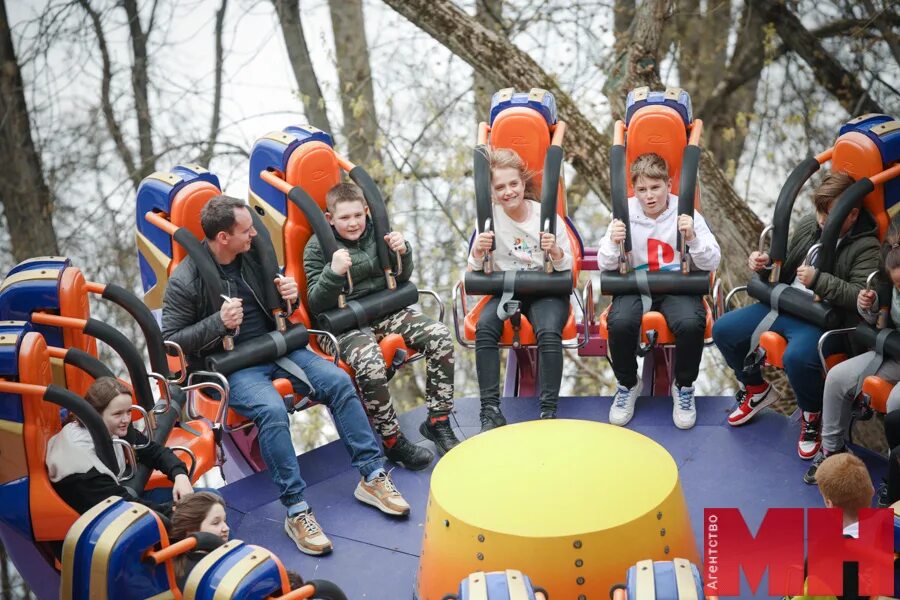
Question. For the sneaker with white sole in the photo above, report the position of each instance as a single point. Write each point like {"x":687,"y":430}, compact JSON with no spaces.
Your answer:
{"x":684,"y":409}
{"x":382,"y":494}
{"x":750,"y":404}
{"x":307,"y":534}
{"x":810,"y":434}
{"x":622,"y":408}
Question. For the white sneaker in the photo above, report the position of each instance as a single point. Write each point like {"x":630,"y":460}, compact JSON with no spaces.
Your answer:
{"x":622,"y":408}
{"x":684,"y":410}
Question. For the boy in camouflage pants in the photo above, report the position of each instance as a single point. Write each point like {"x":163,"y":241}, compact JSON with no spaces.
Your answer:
{"x":347,"y":213}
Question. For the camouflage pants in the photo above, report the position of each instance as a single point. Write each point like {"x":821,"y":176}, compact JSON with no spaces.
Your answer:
{"x":360,"y":350}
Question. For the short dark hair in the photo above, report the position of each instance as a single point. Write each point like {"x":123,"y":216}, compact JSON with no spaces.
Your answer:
{"x":831,"y":187}
{"x":218,"y":215}
{"x":343,"y":192}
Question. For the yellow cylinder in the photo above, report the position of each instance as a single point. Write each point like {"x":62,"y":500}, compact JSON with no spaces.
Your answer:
{"x":572,"y":504}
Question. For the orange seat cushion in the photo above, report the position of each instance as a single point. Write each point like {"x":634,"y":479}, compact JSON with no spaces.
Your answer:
{"x":526,"y":333}
{"x":775,"y":346}
{"x":203,"y":446}
{"x":878,"y":390}
{"x":654,"y":320}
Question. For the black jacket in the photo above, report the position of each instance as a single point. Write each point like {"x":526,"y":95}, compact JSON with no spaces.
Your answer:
{"x":82,"y":491}
{"x":189,"y":317}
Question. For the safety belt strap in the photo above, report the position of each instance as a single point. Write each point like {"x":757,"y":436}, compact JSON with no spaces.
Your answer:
{"x":289,"y":365}
{"x":643,"y":286}
{"x":508,"y":306}
{"x":873,"y":365}
{"x":767,"y":321}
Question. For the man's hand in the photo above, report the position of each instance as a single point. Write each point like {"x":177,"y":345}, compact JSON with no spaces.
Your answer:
{"x":341,"y":262}
{"x":866,"y":299}
{"x":806,"y":274}
{"x":232,"y":313}
{"x":616,"y":231}
{"x":396,"y":242}
{"x":287,"y":287}
{"x":757,"y":261}
{"x":686,"y":227}
{"x":181,"y":487}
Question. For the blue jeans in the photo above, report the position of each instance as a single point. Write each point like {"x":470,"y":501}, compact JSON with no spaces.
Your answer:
{"x":253,"y":396}
{"x":732,"y":333}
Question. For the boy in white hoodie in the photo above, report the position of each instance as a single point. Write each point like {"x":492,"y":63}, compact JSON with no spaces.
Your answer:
{"x":654,"y":222}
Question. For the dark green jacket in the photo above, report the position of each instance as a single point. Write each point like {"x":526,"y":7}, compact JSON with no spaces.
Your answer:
{"x":858,"y":254}
{"x":323,"y":286}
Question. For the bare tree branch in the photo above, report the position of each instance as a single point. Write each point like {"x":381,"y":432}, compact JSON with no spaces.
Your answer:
{"x":288,"y":12}
{"x":489,"y":13}
{"x":140,"y":85}
{"x":207,"y":154}
{"x":879,"y":19}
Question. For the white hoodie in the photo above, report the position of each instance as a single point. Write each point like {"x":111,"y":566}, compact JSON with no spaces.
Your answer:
{"x":653,"y":241}
{"x":519,"y":244}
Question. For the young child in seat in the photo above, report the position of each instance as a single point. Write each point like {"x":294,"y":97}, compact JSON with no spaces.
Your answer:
{"x":348,"y":215}
{"x":857,"y":255}
{"x":83,"y":480}
{"x":843,"y":379}
{"x":654,"y":222}
{"x":202,"y":514}
{"x":520,"y":246}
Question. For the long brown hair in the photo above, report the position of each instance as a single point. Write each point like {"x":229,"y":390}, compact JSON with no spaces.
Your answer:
{"x":101,"y":393}
{"x":187,"y":518}
{"x":505,"y":158}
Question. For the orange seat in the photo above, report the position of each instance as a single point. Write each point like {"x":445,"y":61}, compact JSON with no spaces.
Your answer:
{"x":654,"y":320}
{"x":877,"y":391}
{"x":775,"y":346}
{"x":526,"y":333}
{"x":202,"y":446}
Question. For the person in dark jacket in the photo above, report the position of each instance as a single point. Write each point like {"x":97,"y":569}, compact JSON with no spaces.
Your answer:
{"x":358,"y":255}
{"x":858,"y":254}
{"x":190,"y":320}
{"x":80,"y":477}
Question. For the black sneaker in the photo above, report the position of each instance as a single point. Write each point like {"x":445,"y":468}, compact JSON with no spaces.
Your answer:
{"x":491,"y":418}
{"x":810,"y":475}
{"x":440,"y":433}
{"x":548,"y":414}
{"x":882,"y":496}
{"x":408,"y":455}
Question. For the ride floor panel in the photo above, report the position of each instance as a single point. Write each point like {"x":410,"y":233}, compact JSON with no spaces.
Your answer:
{"x":753,"y":467}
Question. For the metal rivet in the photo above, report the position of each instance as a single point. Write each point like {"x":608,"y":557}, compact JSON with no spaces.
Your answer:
{"x":659,"y":516}
{"x":480,"y":538}
{"x":577,"y":543}
{"x":579,"y":563}
{"x":580,"y":581}
{"x":446,"y":523}
{"x":662,"y":531}
{"x":479,"y":556}
{"x":666,"y":549}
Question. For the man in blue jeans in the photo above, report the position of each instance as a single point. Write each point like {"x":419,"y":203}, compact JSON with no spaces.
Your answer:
{"x":190,"y":320}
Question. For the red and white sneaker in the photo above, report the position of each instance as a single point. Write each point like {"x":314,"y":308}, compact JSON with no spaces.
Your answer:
{"x":810,"y":434}
{"x":750,"y":404}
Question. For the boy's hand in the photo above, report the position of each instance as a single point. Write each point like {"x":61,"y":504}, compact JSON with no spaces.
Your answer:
{"x":806,"y":274}
{"x":758,"y":260}
{"x":232,"y":313}
{"x":548,"y":244}
{"x":866,"y":299}
{"x":482,"y":244}
{"x":287,"y":287}
{"x":396,"y":242}
{"x":340,"y":262}
{"x":616,"y":231}
{"x":181,"y":487}
{"x":686,"y":227}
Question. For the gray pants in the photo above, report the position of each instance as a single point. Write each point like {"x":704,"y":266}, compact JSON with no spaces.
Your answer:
{"x":837,"y":400}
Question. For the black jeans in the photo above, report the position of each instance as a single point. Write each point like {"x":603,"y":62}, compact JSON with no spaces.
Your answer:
{"x":687,"y":320}
{"x":892,"y":433}
{"x":547,"y":316}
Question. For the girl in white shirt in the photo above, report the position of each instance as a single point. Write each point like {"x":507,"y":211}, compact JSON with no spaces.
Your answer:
{"x":520,"y":245}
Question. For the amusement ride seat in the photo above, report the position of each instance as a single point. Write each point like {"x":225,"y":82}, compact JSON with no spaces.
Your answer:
{"x":662,"y":123}
{"x":527,"y":123}
{"x":304,"y":157}
{"x":868,"y":148}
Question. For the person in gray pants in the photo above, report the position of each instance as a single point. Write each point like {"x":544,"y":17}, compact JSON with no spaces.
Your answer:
{"x":843,"y":381}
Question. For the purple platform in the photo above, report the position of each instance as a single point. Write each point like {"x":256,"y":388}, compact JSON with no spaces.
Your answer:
{"x":753,"y":467}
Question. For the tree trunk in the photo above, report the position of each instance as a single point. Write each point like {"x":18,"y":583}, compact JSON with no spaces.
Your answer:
{"x":830,"y":74}
{"x":623,"y":15}
{"x":140,"y":83}
{"x":288,"y":12}
{"x":219,"y":59}
{"x":489,"y":13}
{"x":355,"y":80}
{"x":736,"y":227}
{"x":27,"y":204}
